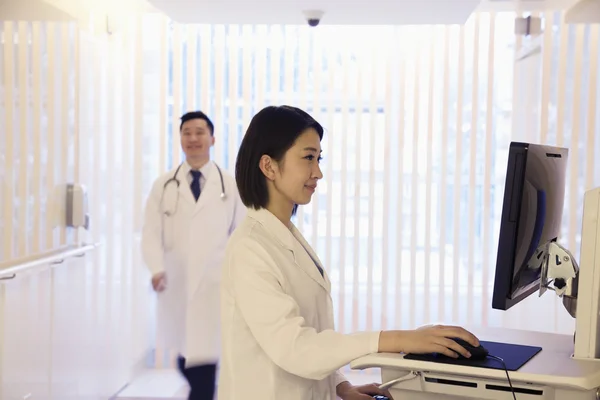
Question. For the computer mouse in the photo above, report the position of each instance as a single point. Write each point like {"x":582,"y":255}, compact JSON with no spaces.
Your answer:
{"x":380,"y":397}
{"x":477,"y":353}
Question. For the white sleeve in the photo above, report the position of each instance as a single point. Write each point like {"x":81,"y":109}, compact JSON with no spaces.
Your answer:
{"x":273,"y":318}
{"x":339,"y":378}
{"x":152,"y":245}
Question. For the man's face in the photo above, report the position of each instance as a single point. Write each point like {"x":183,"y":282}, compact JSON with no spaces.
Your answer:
{"x":196,"y":139}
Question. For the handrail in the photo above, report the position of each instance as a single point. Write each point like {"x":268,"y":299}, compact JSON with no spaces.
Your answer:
{"x":55,"y":257}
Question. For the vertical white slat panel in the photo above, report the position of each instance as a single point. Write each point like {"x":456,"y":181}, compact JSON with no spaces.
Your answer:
{"x":487,"y":180}
{"x":76,"y":109}
{"x":517,"y":93}
{"x":91,"y":80}
{"x":232,"y":103}
{"x":98,"y":141}
{"x":137,"y":106}
{"x":562,"y":84}
{"x":344,"y":189}
{"x":192,"y":69}
{"x":429,"y":174}
{"x":162,"y":82}
{"x":290,"y":42}
{"x":76,"y":120}
{"x":304,"y":52}
{"x":358,"y":108}
{"x":261,"y":70}
{"x":176,"y":44}
{"x":248,"y":76}
{"x":120,"y":301}
{"x":399,"y":33}
{"x":473,"y":167}
{"x":414,"y":195}
{"x":298,"y":46}
{"x":206,"y":37}
{"x":113,"y":93}
{"x":531,"y":95}
{"x":444,"y":176}
{"x":51,"y":141}
{"x":23,"y":135}
{"x":303,"y":64}
{"x":273,"y":94}
{"x":592,"y":123}
{"x":373,"y":140}
{"x":36,"y":98}
{"x":574,"y":203}
{"x":65,"y":110}
{"x":9,"y":91}
{"x":60,"y":149}
{"x":86,"y":86}
{"x":170,"y":40}
{"x":546,"y":80}
{"x":387,"y":156}
{"x":219,"y":63}
{"x":516,"y":134}
{"x":137,"y":109}
{"x":560,"y":119}
{"x":128,"y":196}
{"x":458,"y":175}
{"x":332,"y":143}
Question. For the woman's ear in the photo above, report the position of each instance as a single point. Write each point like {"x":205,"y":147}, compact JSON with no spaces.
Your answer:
{"x":267,"y":166}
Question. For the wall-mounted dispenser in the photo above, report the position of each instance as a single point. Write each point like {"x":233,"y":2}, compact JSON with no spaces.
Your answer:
{"x":76,"y":211}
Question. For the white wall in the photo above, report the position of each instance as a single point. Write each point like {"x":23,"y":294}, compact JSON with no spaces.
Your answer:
{"x":69,"y":103}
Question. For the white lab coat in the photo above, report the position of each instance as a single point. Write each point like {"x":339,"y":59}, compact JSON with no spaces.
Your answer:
{"x":189,"y":247}
{"x":278,"y":338}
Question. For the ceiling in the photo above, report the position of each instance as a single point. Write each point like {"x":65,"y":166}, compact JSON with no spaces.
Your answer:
{"x":336,"y":12}
{"x":526,"y":5}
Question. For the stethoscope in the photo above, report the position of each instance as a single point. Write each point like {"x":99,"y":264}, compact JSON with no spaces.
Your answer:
{"x":177,"y":183}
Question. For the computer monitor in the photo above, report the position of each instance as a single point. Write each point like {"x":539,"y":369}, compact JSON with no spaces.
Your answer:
{"x":531,"y":217}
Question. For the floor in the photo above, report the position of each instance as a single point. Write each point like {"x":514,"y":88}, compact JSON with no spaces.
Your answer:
{"x":160,"y":384}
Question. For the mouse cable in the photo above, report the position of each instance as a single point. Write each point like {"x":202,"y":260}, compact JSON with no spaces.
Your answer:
{"x":507,"y":377}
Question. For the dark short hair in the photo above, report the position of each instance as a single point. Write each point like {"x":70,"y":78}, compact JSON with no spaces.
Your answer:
{"x":197,"y":115}
{"x":273,"y":131}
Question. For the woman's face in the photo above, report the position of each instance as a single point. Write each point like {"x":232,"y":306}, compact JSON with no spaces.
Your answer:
{"x":294,"y":178}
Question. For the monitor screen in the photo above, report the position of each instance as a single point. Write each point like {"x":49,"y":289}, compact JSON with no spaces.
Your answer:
{"x":531,"y":217}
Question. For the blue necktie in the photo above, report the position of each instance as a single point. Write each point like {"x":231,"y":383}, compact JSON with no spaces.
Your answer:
{"x":195,"y":186}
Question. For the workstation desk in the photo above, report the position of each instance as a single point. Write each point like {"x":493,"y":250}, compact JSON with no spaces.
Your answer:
{"x":552,"y":374}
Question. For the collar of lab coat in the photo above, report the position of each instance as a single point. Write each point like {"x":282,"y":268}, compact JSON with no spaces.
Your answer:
{"x":205,"y":170}
{"x":287,"y":237}
{"x":280,"y":232}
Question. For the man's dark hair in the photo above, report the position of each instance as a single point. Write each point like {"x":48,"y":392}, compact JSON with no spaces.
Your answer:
{"x":271,"y":132}
{"x":197,"y":115}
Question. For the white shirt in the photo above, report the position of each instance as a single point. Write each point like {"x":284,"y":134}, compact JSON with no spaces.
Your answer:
{"x":186,"y":170}
{"x":278,"y":338}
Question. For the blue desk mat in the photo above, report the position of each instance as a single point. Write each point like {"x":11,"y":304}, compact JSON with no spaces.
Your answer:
{"x":514,"y":356}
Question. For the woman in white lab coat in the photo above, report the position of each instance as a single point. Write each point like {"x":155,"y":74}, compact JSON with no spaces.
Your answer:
{"x":278,"y":336}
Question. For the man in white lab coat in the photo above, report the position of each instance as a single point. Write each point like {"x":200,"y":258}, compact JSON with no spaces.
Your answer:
{"x":189,"y":216}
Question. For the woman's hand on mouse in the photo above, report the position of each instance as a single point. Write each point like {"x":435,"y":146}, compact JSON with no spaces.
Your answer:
{"x":427,"y":339}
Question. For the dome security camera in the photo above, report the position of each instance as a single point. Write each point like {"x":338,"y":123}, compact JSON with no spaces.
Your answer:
{"x":313,"y":17}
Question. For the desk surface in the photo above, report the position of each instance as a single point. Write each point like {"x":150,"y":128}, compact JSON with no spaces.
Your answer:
{"x":552,"y":366}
